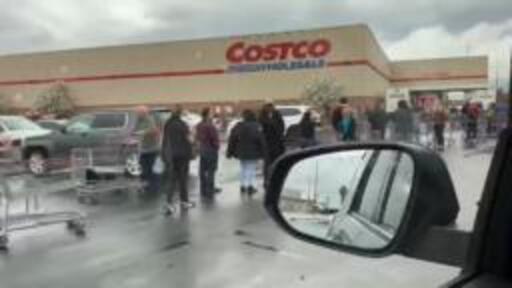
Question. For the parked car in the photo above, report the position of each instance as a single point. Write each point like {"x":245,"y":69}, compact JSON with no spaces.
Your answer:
{"x":161,"y":115}
{"x":96,"y":129}
{"x":53,"y":124}
{"x":15,"y":131}
{"x":292,"y":114}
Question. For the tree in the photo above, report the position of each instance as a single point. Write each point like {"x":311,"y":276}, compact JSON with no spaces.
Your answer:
{"x":322,"y":93}
{"x":55,"y":100}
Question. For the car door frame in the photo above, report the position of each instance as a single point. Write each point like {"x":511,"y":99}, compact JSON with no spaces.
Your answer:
{"x":363,"y":185}
{"x":490,"y":237}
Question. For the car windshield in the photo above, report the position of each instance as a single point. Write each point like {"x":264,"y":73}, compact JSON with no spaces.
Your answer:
{"x":289,"y":111}
{"x":158,"y":203}
{"x":19,"y":124}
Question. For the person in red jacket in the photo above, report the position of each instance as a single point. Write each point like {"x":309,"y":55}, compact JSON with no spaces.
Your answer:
{"x":208,"y":139}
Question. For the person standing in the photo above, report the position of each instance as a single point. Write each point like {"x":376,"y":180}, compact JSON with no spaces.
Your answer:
{"x":307,"y":131}
{"x":246,"y":143}
{"x":337,"y":115}
{"x":440,"y":118}
{"x":273,"y":131}
{"x":207,"y":137}
{"x":403,"y":120}
{"x":347,"y":125}
{"x":378,"y":120}
{"x":149,"y":146}
{"x":490,"y":116}
{"x":473,"y":117}
{"x":177,"y":153}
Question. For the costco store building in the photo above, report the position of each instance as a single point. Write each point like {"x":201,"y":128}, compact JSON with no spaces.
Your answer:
{"x":237,"y":70}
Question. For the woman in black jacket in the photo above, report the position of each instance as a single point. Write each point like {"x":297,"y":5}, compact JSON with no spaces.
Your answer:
{"x":273,"y":127}
{"x":307,"y":131}
{"x":246,"y":143}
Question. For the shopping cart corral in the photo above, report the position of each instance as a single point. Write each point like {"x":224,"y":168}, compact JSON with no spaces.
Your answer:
{"x":102,"y":170}
{"x":16,"y":185}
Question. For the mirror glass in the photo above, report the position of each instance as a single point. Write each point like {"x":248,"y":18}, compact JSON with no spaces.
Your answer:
{"x":355,"y":197}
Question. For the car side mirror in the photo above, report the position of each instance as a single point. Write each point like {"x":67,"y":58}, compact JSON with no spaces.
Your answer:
{"x":366,"y":199}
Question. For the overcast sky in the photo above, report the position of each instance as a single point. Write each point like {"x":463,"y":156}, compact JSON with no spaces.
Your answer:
{"x":406,"y":29}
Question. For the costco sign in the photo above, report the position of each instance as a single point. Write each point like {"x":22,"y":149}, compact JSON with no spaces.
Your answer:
{"x":249,"y":57}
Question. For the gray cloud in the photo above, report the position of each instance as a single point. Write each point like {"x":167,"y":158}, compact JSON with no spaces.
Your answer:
{"x":32,"y":25}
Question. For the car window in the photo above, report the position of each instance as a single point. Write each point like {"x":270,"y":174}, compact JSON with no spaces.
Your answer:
{"x":50,"y":125}
{"x":109,"y":121}
{"x":80,"y":124}
{"x":400,"y":189}
{"x":289,"y":111}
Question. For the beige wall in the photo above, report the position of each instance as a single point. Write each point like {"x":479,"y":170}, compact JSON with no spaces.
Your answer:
{"x":180,"y":56}
{"x":443,"y":73}
{"x":360,"y":66}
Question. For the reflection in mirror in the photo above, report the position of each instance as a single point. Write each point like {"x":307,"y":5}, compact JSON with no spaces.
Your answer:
{"x":356,"y":197}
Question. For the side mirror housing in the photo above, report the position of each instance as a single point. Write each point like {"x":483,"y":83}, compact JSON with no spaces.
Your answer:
{"x":365,"y":199}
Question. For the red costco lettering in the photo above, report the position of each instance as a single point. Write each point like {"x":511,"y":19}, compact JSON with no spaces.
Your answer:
{"x":300,"y":51}
{"x":235,"y":53}
{"x":240,"y":52}
{"x":272,"y":52}
{"x":285,"y":50}
{"x":253,"y":53}
{"x":320,"y":48}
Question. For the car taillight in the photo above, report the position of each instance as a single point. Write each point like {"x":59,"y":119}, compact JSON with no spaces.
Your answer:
{"x":6,"y":143}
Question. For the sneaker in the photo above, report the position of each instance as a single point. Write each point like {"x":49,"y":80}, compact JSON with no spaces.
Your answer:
{"x":187,"y":205}
{"x":168,"y":209}
{"x":243,"y":190}
{"x":217,"y":190}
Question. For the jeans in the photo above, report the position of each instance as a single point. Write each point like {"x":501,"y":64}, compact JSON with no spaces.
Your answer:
{"x":471,"y":130}
{"x":248,"y":172}
{"x":207,"y":169}
{"x":177,"y":172}
{"x":147,"y":160}
{"x":439,"y":133}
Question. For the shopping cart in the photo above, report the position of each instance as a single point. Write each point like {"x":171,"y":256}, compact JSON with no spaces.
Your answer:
{"x":102,"y":170}
{"x":18,"y":184}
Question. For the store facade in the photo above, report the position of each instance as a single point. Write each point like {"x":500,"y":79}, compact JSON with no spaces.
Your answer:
{"x":233,"y":70}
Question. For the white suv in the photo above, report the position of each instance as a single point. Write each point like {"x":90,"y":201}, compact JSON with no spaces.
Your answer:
{"x":292,"y":114}
{"x":14,"y":131}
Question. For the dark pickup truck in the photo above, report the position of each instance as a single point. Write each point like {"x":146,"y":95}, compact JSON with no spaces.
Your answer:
{"x":123,"y":129}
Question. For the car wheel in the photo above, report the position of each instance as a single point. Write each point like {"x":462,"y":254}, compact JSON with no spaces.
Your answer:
{"x":37,"y":162}
{"x":132,"y":165}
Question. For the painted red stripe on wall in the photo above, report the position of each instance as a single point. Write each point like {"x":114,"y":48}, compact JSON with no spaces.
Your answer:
{"x":440,"y":78}
{"x":191,"y":73}
{"x":113,"y":77}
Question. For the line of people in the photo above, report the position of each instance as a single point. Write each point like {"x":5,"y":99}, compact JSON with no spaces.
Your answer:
{"x":251,"y":140}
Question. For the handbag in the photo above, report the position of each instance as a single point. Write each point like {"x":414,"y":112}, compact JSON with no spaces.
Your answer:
{"x":158,"y":166}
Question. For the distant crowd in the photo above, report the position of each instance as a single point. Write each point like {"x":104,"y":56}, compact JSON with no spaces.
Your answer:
{"x":261,"y":136}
